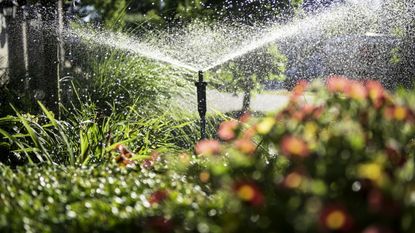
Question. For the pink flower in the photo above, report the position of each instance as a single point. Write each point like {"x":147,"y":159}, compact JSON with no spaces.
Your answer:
{"x":208,"y":147}
{"x":245,"y":146}
{"x":356,"y":91}
{"x":227,"y":129}
{"x":337,"y":84}
{"x":158,"y":196}
{"x":294,"y":146}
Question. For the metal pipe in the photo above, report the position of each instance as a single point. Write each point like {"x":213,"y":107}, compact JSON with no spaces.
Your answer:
{"x":201,"y":104}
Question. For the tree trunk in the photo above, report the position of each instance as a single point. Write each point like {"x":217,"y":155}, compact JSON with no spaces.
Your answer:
{"x":246,"y":104}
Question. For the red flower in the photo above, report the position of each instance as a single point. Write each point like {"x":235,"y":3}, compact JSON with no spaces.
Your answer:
{"x":335,"y":218}
{"x":227,"y":129}
{"x":158,"y":196}
{"x":245,"y":146}
{"x":249,"y":192}
{"x":376,"y":93}
{"x":337,"y":84}
{"x":208,"y":147}
{"x":294,"y":146}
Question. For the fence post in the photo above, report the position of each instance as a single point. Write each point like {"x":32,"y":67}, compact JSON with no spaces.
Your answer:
{"x":52,"y":18}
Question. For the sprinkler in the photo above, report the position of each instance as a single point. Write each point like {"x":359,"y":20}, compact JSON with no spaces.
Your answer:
{"x":201,"y":104}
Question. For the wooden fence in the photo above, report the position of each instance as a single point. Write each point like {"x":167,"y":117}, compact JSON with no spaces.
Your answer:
{"x":31,"y":49}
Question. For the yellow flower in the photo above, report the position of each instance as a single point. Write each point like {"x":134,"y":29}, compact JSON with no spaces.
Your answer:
{"x":310,"y":130}
{"x":265,"y":125}
{"x":335,"y":220}
{"x":246,"y":192}
{"x":371,"y":171}
{"x":400,"y":113}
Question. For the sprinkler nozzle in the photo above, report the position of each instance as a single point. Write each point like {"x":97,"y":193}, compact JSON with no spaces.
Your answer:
{"x":200,"y":76}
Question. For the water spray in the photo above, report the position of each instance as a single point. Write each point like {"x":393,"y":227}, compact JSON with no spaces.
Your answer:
{"x":201,"y":103}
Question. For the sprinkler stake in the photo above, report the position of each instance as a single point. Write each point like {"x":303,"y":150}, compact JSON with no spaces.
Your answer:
{"x":201,"y":104}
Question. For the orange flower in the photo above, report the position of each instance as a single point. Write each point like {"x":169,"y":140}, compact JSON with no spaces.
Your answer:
{"x":356,"y":91}
{"x":245,"y":146}
{"x":249,"y":192}
{"x":337,"y":84}
{"x":208,"y":147}
{"x":123,"y":159}
{"x":227,"y":129}
{"x":376,"y":93}
{"x":204,"y":176}
{"x":299,"y":89}
{"x":294,"y":146}
{"x":293,"y":180}
{"x":335,"y":218}
{"x":158,"y":196}
{"x":398,"y":113}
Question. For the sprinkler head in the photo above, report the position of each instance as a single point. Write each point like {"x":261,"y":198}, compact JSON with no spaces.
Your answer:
{"x":201,"y":103}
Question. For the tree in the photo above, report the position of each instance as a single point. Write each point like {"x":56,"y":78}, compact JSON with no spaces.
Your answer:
{"x":250,"y":73}
{"x":111,"y":11}
{"x":241,"y":11}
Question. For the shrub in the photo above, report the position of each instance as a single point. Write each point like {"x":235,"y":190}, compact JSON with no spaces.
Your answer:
{"x":341,"y":161}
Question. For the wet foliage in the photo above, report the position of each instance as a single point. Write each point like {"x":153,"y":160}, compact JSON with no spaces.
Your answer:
{"x":341,"y":162}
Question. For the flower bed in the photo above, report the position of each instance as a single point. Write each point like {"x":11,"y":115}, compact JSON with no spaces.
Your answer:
{"x":343,"y":162}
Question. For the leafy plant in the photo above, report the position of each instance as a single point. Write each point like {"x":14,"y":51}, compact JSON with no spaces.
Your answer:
{"x":341,"y":162}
